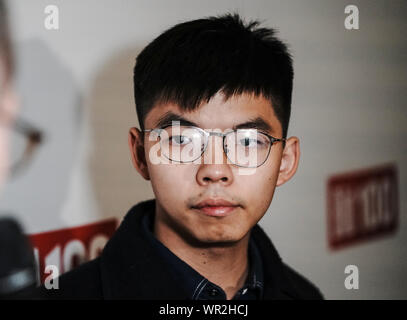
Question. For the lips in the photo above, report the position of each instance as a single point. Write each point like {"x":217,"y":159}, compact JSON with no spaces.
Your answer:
{"x":216,"y":207}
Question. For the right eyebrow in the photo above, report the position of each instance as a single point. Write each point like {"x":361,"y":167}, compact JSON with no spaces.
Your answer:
{"x":167,"y":119}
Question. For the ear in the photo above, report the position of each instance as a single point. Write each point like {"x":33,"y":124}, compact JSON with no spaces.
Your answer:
{"x":137,"y":151}
{"x":289,"y":160}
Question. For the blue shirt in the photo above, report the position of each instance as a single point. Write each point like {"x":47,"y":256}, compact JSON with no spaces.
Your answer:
{"x":197,"y":285}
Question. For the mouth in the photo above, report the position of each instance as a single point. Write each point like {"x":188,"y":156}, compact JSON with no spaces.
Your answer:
{"x":216,"y":207}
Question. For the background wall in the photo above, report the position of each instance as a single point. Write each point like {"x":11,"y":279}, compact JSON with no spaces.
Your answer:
{"x":349,"y":111}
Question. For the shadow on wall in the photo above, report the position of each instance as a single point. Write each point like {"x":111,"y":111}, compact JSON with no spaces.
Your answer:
{"x":50,"y":100}
{"x":117,"y":186}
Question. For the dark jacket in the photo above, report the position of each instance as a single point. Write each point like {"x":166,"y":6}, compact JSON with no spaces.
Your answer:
{"x":130,"y":268}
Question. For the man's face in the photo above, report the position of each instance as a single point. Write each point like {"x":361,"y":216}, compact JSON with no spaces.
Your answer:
{"x":179,"y":187}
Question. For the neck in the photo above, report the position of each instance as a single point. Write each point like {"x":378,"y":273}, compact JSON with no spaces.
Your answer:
{"x":224,"y":265}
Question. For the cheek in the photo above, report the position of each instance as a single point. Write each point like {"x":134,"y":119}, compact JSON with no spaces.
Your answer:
{"x":258,"y":188}
{"x":171,"y":183}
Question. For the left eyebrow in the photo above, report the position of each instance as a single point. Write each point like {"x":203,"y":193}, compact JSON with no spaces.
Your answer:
{"x":256,"y":123}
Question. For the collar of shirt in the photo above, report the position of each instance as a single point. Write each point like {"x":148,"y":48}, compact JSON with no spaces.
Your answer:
{"x":199,"y":287}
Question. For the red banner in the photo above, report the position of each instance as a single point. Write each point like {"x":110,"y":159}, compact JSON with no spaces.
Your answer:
{"x":362,"y":205}
{"x":67,"y":248}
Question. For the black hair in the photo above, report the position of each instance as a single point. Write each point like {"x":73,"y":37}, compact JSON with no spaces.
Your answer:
{"x":190,"y":62}
{"x":6,"y":56}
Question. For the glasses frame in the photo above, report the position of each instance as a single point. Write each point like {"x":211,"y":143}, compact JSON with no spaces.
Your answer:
{"x":33,"y":137}
{"x":207,"y":135}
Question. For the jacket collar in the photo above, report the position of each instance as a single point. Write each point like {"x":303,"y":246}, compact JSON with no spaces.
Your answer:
{"x":132,"y":269}
{"x":192,"y":281}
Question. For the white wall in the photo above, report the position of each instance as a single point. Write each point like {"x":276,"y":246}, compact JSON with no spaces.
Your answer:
{"x":349,"y":111}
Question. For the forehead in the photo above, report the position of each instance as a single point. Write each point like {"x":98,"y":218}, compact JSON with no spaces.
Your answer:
{"x":219,"y":113}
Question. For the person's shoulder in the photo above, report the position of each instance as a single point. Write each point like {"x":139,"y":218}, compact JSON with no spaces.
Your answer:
{"x":83,"y":282}
{"x":304,"y":288}
{"x":295,"y":286}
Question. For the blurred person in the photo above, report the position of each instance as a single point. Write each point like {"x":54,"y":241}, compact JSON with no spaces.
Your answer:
{"x":14,"y":153}
{"x":17,"y":263}
{"x":8,"y":102}
{"x":199,"y":238}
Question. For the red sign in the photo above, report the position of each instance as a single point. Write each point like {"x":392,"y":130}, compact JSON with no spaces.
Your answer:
{"x":362,"y":205}
{"x":67,"y":248}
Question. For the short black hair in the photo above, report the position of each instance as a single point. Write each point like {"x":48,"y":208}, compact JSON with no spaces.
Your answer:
{"x":190,"y":62}
{"x":6,"y":56}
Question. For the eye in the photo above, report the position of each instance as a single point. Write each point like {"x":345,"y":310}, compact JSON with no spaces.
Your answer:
{"x":250,"y":142}
{"x":179,"y":140}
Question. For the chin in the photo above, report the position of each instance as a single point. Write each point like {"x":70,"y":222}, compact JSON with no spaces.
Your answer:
{"x":219,"y":237}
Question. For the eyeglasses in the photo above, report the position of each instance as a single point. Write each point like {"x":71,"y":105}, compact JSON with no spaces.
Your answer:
{"x":25,"y":139}
{"x":247,"y":148}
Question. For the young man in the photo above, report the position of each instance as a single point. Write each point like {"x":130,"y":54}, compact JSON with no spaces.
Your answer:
{"x":213,"y":99}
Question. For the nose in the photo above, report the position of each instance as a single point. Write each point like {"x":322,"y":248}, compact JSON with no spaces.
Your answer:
{"x":211,"y":173}
{"x":210,"y":170}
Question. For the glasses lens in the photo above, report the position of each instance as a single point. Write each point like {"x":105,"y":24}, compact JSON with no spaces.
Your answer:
{"x":182,"y":144}
{"x":16,"y":145}
{"x":21,"y":140}
{"x":18,"y":148}
{"x":247,"y":147}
